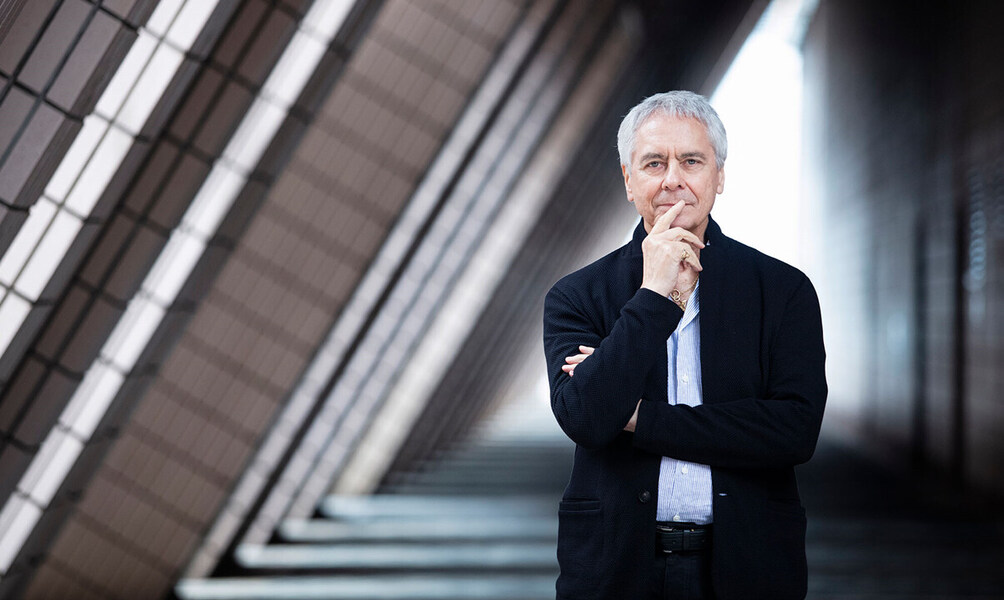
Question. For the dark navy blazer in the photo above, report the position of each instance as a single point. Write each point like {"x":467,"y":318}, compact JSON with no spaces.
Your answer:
{"x":764,"y":391}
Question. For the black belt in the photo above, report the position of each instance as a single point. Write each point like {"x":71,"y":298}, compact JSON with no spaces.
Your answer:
{"x":681,"y":537}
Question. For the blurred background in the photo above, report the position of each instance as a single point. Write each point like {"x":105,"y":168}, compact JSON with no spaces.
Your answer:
{"x":271,"y":280}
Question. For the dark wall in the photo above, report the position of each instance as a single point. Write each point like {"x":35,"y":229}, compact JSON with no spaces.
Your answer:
{"x":904,"y":132}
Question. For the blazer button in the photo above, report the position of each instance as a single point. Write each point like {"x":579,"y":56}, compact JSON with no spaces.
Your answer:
{"x":644,"y":496}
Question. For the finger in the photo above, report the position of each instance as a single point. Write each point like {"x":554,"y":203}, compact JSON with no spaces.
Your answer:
{"x":666,"y":219}
{"x":570,"y":369}
{"x":586,"y":349}
{"x":694,"y":263}
{"x":576,"y":358}
{"x":686,"y":255}
{"x":682,"y":235}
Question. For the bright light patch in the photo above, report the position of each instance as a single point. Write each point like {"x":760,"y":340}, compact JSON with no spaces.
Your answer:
{"x":149,"y":88}
{"x":173,"y":266}
{"x":76,"y":158}
{"x":163,"y":16}
{"x":326,"y":18}
{"x":132,"y":333}
{"x":54,"y":460}
{"x":187,"y":27}
{"x":48,"y":255}
{"x":99,"y":171}
{"x":85,"y":409}
{"x":127,"y":74}
{"x":213,"y":200}
{"x":17,"y":520}
{"x":13,"y":311}
{"x":27,"y":238}
{"x":759,"y":100}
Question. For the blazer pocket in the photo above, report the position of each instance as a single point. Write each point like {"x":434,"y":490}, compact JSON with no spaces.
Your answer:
{"x":580,"y":547}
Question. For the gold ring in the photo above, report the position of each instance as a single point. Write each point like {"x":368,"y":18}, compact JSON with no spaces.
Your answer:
{"x":685,"y":255}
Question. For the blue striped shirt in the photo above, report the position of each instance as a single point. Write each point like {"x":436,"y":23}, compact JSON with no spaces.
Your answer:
{"x":685,"y":487}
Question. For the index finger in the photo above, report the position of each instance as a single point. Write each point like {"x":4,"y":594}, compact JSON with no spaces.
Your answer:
{"x":664,"y":222}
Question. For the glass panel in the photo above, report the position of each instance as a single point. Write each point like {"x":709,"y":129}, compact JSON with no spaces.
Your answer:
{"x":91,"y":400}
{"x":213,"y":201}
{"x":48,"y":255}
{"x":162,"y":16}
{"x":149,"y":88}
{"x":132,"y":333}
{"x":13,"y":312}
{"x":190,"y":21}
{"x":58,"y":453}
{"x":76,"y":158}
{"x":99,"y":171}
{"x":127,"y":74}
{"x":16,"y":522}
{"x":173,"y":267}
{"x":326,"y":17}
{"x":27,"y":239}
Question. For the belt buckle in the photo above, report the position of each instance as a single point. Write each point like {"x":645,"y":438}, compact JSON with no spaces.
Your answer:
{"x":671,"y":536}
{"x":685,"y":538}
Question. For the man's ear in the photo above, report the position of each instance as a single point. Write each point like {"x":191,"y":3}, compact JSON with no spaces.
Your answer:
{"x":721,"y":179}
{"x":627,"y":182}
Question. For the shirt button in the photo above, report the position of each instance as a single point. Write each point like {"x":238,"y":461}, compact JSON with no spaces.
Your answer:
{"x":684,"y":469}
{"x":644,"y":496}
{"x":676,"y":518}
{"x":685,"y":378}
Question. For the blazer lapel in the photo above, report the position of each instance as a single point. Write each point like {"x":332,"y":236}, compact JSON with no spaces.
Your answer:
{"x":658,"y":377}
{"x":716,"y":281}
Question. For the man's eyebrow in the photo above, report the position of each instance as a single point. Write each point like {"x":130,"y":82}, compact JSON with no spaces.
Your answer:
{"x":694,"y":154}
{"x":650,"y":155}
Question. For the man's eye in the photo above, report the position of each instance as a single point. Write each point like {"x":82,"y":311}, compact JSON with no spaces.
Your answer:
{"x":691,"y":161}
{"x":652,"y":165}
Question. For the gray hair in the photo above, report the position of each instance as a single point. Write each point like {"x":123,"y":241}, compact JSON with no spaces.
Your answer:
{"x":679,"y":103}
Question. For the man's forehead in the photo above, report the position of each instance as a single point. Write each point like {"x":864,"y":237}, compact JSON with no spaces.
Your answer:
{"x":657,"y":130}
{"x":662,"y":121}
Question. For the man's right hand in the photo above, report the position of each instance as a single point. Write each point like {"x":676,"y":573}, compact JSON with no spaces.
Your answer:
{"x":669,"y":253}
{"x":573,"y":361}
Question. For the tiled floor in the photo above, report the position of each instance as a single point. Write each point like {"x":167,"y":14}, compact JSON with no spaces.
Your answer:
{"x":877,"y":534}
{"x":480,"y":523}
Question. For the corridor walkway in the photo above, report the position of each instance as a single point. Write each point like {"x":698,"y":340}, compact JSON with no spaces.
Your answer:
{"x":480,"y":523}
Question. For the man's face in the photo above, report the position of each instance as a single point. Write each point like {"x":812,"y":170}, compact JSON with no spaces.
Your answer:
{"x":673,"y":161}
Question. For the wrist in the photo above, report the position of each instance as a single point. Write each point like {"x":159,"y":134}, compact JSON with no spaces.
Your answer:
{"x":663,"y":290}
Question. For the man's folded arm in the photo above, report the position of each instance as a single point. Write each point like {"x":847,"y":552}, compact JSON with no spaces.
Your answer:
{"x":593,"y":406}
{"x":780,"y":429}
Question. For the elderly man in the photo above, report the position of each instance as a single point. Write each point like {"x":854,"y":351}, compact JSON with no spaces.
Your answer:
{"x":688,"y":370}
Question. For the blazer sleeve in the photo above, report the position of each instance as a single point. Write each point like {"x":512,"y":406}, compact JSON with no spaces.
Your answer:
{"x":779,"y":429}
{"x":593,"y":406}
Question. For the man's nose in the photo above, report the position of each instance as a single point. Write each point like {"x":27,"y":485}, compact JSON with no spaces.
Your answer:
{"x":673,"y":179}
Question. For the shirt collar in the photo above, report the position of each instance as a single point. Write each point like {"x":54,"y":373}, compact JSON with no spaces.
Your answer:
{"x":693,"y":307}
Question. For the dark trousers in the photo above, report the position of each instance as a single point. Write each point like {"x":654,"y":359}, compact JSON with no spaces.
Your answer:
{"x":682,"y":576}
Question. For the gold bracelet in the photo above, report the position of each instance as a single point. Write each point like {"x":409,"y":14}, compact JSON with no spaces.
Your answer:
{"x":676,"y":295}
